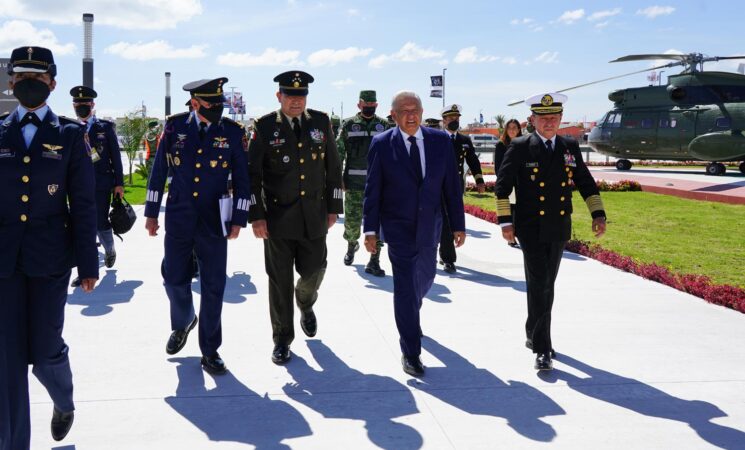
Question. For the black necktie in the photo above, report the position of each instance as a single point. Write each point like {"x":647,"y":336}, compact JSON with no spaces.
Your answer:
{"x":30,"y":117}
{"x":452,"y":138}
{"x":296,"y":127}
{"x":416,"y":159}
{"x":549,"y":146}
{"x":202,"y":130}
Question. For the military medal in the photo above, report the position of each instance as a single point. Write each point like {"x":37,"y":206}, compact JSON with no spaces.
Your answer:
{"x":213,"y":163}
{"x":286,"y":159}
{"x":224,"y":164}
{"x":314,"y":156}
{"x":532,"y":178}
{"x":177,"y":161}
{"x":52,"y":189}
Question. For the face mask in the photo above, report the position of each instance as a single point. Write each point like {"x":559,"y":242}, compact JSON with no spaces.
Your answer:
{"x":368,"y":111}
{"x":213,"y":113}
{"x":31,"y":93}
{"x":454,"y":125}
{"x":83,"y":111}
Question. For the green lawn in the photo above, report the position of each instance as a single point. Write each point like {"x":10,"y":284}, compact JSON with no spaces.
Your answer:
{"x":687,"y":236}
{"x":135,"y":193}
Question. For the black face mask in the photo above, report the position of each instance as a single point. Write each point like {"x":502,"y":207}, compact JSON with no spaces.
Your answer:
{"x":31,"y":93}
{"x":454,"y":125}
{"x":368,"y":111}
{"x":213,"y":113}
{"x":83,"y":111}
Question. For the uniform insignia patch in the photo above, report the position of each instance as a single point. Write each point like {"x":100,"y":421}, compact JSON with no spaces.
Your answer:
{"x":532,"y":178}
{"x":6,"y":153}
{"x":317,"y":135}
{"x":221,"y":142}
{"x":176,"y":161}
{"x":357,"y":127}
{"x":531,"y":164}
{"x":286,"y":159}
{"x":276,"y":133}
{"x":314,"y":156}
{"x":213,"y":163}
{"x":52,"y":189}
{"x":379,"y":127}
{"x":569,"y":160}
{"x":224,"y":164}
{"x":52,"y":148}
{"x":180,"y":137}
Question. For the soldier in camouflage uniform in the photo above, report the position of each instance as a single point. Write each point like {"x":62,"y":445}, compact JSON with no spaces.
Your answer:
{"x":354,"y":140}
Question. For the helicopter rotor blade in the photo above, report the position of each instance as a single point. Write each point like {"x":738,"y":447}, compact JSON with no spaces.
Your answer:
{"x":720,"y":58}
{"x":604,"y":79}
{"x":650,"y":57}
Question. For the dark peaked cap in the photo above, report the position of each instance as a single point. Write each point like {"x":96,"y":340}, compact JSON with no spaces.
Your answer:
{"x":32,"y":59}
{"x":294,"y":82}
{"x":82,"y":94}
{"x":209,"y":90}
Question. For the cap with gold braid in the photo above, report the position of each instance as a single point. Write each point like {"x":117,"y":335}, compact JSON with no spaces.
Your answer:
{"x":294,"y":82}
{"x":32,"y":59}
{"x":209,"y":90}
{"x":452,"y":110}
{"x":548,"y":103}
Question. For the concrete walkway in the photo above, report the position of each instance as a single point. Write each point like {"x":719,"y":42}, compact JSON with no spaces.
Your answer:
{"x":640,"y":365}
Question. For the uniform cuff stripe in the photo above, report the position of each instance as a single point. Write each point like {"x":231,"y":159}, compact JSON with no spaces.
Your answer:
{"x":594,"y":203}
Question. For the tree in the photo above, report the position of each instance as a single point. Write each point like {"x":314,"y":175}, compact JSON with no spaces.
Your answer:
{"x":500,"y":122}
{"x":132,"y":130}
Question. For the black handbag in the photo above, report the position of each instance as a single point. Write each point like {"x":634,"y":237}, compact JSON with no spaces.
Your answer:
{"x":122,"y":216}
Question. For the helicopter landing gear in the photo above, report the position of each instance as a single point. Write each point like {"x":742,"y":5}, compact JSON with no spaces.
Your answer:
{"x":742,"y":167}
{"x":715,"y":168}
{"x":623,"y":164}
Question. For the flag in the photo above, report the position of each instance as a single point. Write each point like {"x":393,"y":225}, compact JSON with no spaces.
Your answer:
{"x":436,"y":90}
{"x":481,"y":118}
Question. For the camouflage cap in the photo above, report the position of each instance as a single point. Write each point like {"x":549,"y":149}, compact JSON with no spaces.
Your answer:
{"x":368,"y":96}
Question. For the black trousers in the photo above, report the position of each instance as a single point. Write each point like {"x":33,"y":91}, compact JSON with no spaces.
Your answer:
{"x":447,"y":246}
{"x":541,"y":261}
{"x":308,"y":258}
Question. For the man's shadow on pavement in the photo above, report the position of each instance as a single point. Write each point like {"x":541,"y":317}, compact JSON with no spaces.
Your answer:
{"x":237,"y":287}
{"x":477,"y":391}
{"x":107,"y":293}
{"x":341,"y":392}
{"x":436,"y":292}
{"x":648,"y":400}
{"x":484,"y":278}
{"x":231,"y":411}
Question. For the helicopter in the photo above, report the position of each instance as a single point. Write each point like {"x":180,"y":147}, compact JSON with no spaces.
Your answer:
{"x":697,"y":115}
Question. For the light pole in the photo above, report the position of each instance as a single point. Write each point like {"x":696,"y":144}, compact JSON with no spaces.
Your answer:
{"x":659,"y":80}
{"x":443,"y":87}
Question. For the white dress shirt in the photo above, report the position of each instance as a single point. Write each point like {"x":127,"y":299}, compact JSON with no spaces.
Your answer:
{"x":29,"y":130}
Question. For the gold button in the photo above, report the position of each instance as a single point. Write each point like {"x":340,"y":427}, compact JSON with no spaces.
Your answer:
{"x":567,"y":169}
{"x":24,"y":198}
{"x":199,"y":165}
{"x":27,"y":159}
{"x":570,"y":174}
{"x":196,"y":179}
{"x":563,"y":184}
{"x":541,"y":212}
{"x":302,"y":177}
{"x":541,"y":184}
{"x":561,"y":212}
{"x":196,"y":194}
{"x":25,"y":178}
{"x":562,"y":199}
{"x":299,"y":144}
{"x":535,"y":170}
{"x":302,"y":160}
{"x":23,"y":218}
{"x":302,"y":192}
{"x":199,"y":151}
{"x":542,"y":198}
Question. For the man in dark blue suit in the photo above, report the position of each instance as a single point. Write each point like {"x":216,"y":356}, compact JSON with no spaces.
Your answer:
{"x":47,"y":226}
{"x":411,"y":174}
{"x":201,"y":149}
{"x":107,"y":163}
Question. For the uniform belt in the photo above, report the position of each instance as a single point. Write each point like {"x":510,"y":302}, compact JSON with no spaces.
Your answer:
{"x":362,"y":172}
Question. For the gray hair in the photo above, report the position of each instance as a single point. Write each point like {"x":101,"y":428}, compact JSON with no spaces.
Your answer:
{"x":401,"y":95}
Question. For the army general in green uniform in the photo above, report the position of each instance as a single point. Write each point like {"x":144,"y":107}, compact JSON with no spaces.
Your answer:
{"x":296,"y":197}
{"x":353,"y":144}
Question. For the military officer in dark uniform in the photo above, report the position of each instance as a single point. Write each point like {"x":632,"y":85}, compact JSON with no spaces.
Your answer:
{"x":543,"y":168}
{"x":47,"y":226}
{"x":201,"y":148}
{"x":297,"y":195}
{"x":464,"y":151}
{"x":107,"y":163}
{"x":353,"y":142}
{"x":432,"y":123}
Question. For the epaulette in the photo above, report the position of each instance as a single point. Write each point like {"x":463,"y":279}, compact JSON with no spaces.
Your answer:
{"x":173,"y":116}
{"x":267,"y":116}
{"x":67,"y":119}
{"x":233,"y":122}
{"x":317,"y":112}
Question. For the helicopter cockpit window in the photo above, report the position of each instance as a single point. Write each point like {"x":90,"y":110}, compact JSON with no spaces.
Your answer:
{"x":647,"y":123}
{"x":724,"y":122}
{"x":613,"y":121}
{"x":668,"y":123}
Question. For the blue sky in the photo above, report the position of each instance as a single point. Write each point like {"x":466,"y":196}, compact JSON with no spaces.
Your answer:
{"x":494,"y":51}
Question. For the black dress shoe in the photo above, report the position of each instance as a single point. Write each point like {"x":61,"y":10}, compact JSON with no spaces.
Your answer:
{"x":449,"y":267}
{"x":75,"y":282}
{"x":308,"y":323}
{"x":412,"y":365}
{"x":373,"y":267}
{"x":61,"y":423}
{"x":214,"y":364}
{"x":352,"y":248}
{"x":543,"y":362}
{"x":529,"y":344}
{"x":109,"y":259}
{"x":281,"y":354}
{"x":177,"y":340}
{"x":513,"y":244}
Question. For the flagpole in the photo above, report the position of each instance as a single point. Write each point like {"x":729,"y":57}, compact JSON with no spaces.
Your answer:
{"x":443,"y":87}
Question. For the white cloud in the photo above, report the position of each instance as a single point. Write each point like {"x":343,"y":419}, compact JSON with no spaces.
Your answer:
{"x":603,"y":14}
{"x":654,"y":11}
{"x":15,"y":33}
{"x":270,"y":57}
{"x":353,"y":12}
{"x":410,"y":52}
{"x":341,"y":84}
{"x":569,"y":17}
{"x":159,"y":49}
{"x":509,"y":60}
{"x":470,"y":55}
{"x":602,"y":24}
{"x":329,"y":57}
{"x":547,"y":57}
{"x":127,"y":14}
{"x":523,"y":21}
